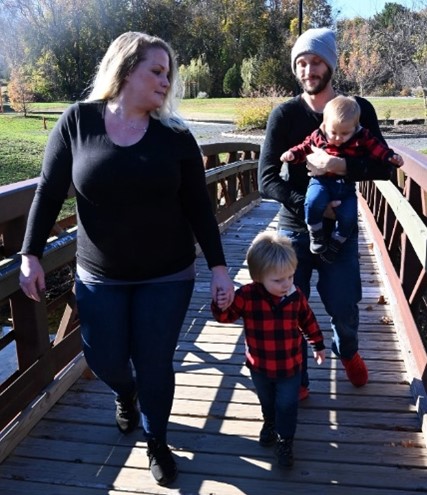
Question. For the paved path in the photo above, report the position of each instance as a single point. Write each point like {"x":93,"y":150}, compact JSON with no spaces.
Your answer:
{"x":210,"y":132}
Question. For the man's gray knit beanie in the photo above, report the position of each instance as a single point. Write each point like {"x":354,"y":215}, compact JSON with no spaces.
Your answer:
{"x":320,"y":42}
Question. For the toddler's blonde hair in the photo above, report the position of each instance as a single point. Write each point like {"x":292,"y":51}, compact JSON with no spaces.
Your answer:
{"x":270,"y":251}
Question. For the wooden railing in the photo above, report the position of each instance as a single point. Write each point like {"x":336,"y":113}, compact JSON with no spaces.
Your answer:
{"x":49,"y":360}
{"x":396,"y":212}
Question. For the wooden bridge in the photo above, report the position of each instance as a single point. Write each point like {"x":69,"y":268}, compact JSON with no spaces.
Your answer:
{"x":57,"y":428}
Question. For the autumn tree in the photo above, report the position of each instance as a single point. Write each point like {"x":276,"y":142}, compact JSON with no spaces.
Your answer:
{"x":358,"y":59}
{"x":400,"y":34}
{"x":20,"y":91}
{"x":316,"y":13}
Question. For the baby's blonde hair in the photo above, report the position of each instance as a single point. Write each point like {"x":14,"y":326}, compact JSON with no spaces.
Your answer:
{"x":270,"y":251}
{"x":342,"y":109}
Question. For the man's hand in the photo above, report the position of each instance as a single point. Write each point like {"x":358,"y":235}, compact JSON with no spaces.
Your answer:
{"x":319,"y":163}
{"x":330,"y":212}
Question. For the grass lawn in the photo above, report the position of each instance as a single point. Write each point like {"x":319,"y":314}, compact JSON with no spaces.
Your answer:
{"x":399,"y":108}
{"x":228,"y":108}
{"x":22,"y":140}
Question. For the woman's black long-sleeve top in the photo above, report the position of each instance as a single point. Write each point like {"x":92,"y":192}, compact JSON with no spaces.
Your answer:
{"x":137,"y":206}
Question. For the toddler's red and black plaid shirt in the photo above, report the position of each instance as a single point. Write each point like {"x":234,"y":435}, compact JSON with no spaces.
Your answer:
{"x":274,"y":328}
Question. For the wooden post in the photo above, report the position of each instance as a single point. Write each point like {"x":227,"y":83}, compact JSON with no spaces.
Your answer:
{"x":1,"y":100}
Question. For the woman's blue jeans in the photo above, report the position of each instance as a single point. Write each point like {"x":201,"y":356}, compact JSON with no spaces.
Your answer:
{"x":339,"y":286}
{"x":139,"y":325}
{"x":279,"y":401}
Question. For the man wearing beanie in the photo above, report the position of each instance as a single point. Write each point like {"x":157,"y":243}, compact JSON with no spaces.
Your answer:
{"x":313,"y":61}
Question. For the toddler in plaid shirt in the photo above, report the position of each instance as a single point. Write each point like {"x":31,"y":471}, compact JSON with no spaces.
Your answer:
{"x":276,"y":317}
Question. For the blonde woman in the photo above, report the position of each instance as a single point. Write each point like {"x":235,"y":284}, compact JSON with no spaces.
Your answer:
{"x":141,"y":196}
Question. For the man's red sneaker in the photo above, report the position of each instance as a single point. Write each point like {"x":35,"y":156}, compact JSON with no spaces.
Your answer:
{"x":304,"y":392}
{"x":356,"y":370}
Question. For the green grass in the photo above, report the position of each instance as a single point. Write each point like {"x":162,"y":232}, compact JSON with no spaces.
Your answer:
{"x":399,"y":108}
{"x":22,"y":140}
{"x":19,"y":160}
{"x":216,"y":108}
{"x":227,"y":108}
{"x":22,"y":144}
{"x":56,"y":106}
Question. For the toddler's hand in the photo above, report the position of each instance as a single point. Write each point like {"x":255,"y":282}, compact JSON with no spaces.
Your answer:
{"x":287,"y":156}
{"x":222,"y":300}
{"x":396,"y":160}
{"x":319,"y":356}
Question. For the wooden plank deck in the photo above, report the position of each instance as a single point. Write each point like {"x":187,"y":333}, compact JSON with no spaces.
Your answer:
{"x":349,"y":441}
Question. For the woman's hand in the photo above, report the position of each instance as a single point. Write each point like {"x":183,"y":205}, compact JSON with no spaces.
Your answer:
{"x":31,"y":277}
{"x":320,"y":163}
{"x":222,"y":288}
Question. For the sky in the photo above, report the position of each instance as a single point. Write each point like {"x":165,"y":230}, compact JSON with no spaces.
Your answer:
{"x":368,"y":8}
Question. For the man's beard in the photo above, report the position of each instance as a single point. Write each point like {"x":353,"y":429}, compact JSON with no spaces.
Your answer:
{"x":322,"y":82}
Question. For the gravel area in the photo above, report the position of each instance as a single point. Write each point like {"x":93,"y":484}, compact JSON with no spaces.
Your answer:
{"x":414,"y":137}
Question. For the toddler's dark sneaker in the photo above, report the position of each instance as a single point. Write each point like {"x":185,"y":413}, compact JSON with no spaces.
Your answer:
{"x":356,"y":370}
{"x":161,"y":462}
{"x":127,"y":413}
{"x":284,"y":452}
{"x":267,"y":435}
{"x":331,"y":252}
{"x":317,"y":241}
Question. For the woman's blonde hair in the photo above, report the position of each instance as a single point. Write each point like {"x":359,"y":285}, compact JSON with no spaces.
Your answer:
{"x":121,"y":58}
{"x":270,"y":251}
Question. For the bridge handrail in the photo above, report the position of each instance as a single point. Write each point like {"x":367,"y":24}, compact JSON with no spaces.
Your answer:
{"x":231,"y":180}
{"x":396,"y":212}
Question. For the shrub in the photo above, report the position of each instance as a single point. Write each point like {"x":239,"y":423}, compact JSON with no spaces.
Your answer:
{"x":196,"y":77}
{"x":248,"y":74}
{"x":418,"y":92}
{"x":232,"y":81}
{"x":388,"y":89}
{"x":252,"y":113}
{"x":387,"y":114}
{"x":270,"y":72}
{"x":405,"y":91}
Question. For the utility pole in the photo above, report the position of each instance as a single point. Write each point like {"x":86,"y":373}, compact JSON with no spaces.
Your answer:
{"x":297,"y":88}
{"x":300,"y":17}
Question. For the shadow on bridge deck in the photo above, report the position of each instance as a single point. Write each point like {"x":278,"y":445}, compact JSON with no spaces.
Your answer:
{"x":349,"y":441}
